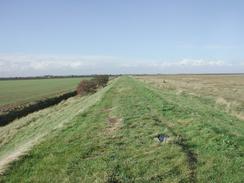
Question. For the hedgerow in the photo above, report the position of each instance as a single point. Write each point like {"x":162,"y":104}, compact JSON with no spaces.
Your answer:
{"x":91,"y":86}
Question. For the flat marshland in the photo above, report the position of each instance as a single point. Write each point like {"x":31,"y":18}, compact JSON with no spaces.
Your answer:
{"x":110,"y":136}
{"x":226,"y":90}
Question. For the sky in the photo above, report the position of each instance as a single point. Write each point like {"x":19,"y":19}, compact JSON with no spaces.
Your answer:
{"x":61,"y":37}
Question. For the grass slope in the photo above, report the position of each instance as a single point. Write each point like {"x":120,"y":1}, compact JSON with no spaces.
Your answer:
{"x":22,"y":134}
{"x":113,"y":141}
{"x":21,"y":91}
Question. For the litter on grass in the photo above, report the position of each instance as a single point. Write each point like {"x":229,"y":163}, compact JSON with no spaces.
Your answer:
{"x":162,"y":137}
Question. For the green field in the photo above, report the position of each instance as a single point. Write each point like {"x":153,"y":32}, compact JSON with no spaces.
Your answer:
{"x":14,"y":92}
{"x":110,"y":137}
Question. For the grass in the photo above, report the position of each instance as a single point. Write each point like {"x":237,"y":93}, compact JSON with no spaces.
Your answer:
{"x":226,"y":90}
{"x":113,"y":141}
{"x":15,"y":92}
{"x":21,"y":135}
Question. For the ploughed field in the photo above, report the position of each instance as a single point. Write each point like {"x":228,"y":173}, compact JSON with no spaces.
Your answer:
{"x":16,"y":93}
{"x":112,"y":136}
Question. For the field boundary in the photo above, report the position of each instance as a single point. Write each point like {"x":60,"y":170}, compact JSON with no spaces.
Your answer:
{"x":29,"y":108}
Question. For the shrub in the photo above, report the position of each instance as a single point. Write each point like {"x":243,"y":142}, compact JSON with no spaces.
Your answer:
{"x":102,"y":80}
{"x":90,"y":86}
{"x":87,"y":86}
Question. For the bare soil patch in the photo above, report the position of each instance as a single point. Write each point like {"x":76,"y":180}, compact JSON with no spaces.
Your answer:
{"x":113,"y":124}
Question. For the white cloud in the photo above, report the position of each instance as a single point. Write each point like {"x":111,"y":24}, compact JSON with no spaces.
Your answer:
{"x":180,"y":63}
{"x":24,"y":65}
{"x":216,"y":46}
{"x":29,"y":65}
{"x":200,"y":62}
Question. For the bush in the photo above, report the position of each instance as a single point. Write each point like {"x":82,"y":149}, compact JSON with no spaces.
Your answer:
{"x":102,"y":80}
{"x":90,"y":86}
{"x":87,"y":86}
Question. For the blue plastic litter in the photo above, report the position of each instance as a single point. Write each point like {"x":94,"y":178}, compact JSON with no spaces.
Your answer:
{"x":162,"y":137}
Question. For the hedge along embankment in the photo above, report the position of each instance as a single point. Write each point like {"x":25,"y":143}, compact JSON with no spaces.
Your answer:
{"x":18,"y":113}
{"x":91,"y":86}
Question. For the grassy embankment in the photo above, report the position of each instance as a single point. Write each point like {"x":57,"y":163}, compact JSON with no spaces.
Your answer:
{"x":22,"y":134}
{"x":113,"y":141}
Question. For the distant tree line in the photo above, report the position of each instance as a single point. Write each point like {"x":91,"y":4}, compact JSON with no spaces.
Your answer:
{"x":50,"y":77}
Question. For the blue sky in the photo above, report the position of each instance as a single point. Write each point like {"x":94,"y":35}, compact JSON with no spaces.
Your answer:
{"x":120,"y":36}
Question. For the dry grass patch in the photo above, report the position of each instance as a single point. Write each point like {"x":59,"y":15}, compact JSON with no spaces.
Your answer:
{"x":226,"y":90}
{"x":113,"y":124}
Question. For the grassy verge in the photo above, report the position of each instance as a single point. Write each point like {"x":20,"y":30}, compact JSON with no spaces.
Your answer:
{"x":113,"y":141}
